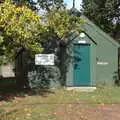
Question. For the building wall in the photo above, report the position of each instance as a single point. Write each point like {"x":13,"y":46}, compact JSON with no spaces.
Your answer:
{"x":106,"y":55}
{"x":107,"y":63}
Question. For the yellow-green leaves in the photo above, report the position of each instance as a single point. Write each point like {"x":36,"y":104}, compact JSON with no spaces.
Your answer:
{"x":22,"y":27}
{"x":62,"y":23}
{"x":19,"y":27}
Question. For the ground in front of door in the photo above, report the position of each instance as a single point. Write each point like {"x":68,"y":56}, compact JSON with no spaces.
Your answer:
{"x":61,"y":104}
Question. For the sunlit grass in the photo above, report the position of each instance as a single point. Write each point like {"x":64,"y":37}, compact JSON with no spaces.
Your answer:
{"x":42,"y":107}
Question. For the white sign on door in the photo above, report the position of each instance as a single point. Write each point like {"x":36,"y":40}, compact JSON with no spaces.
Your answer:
{"x":44,"y":59}
{"x":102,"y":63}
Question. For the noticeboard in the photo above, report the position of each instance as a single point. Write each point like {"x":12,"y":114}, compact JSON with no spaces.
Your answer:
{"x":44,"y":59}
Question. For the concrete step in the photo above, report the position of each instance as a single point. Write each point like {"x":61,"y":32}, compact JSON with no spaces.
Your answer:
{"x":81,"y":89}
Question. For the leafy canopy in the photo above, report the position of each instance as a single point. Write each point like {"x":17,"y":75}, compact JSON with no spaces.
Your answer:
{"x":41,"y":4}
{"x":49,"y":4}
{"x":20,"y":27}
{"x":104,"y":13}
{"x":61,"y":23}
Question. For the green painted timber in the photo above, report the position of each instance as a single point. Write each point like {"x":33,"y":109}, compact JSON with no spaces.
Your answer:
{"x":103,"y":56}
{"x":106,"y":54}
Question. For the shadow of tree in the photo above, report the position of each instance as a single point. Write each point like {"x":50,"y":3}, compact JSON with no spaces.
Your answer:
{"x":9,"y":93}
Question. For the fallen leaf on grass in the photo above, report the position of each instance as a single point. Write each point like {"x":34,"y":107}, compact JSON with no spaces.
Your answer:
{"x":28,"y":114}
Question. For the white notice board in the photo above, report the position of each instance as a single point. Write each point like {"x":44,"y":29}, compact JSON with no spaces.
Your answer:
{"x":44,"y":59}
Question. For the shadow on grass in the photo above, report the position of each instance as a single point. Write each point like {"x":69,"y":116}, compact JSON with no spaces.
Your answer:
{"x":8,"y":93}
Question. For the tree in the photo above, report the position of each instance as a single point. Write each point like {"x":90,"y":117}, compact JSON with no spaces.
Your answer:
{"x":41,"y":4}
{"x":103,"y":12}
{"x":96,"y":11}
{"x":22,"y":29}
{"x":19,"y":28}
{"x":49,"y":4}
{"x":29,"y":3}
{"x":61,"y":23}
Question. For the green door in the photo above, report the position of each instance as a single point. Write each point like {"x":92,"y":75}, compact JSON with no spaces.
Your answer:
{"x":81,"y":65}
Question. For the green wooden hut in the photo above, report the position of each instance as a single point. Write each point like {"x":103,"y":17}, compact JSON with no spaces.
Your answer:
{"x":95,"y":58}
{"x":92,"y":59}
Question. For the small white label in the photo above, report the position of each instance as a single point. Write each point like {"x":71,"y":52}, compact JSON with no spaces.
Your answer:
{"x":102,"y":63}
{"x":44,"y":59}
{"x":82,"y":41}
{"x":82,"y":35}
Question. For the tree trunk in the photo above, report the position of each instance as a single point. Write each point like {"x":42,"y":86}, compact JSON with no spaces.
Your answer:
{"x":21,"y":69}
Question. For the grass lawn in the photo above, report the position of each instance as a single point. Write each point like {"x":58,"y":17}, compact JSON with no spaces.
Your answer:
{"x":56,"y":103}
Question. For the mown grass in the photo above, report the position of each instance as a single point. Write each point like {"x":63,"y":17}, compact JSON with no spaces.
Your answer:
{"x":43,"y":106}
